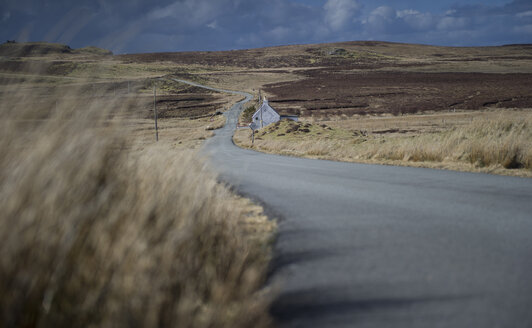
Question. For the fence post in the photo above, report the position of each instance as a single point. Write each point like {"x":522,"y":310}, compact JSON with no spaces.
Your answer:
{"x":155,"y":113}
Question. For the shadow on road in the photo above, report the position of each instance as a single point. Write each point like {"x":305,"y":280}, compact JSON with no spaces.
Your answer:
{"x":308,"y":307}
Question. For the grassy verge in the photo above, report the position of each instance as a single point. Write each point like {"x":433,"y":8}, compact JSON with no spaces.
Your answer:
{"x":100,"y":226}
{"x":499,"y":144}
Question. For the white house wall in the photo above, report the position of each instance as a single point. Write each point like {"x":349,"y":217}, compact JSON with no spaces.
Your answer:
{"x":267,"y":114}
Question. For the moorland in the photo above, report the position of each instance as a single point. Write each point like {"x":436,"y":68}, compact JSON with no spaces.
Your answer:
{"x":85,"y":187}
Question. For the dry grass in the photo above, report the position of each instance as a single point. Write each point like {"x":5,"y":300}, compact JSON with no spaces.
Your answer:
{"x":248,"y":80}
{"x":99,"y":231}
{"x":499,"y":144}
{"x":175,"y":133}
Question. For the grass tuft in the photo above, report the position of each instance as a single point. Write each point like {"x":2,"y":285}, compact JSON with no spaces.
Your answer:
{"x":96,"y":234}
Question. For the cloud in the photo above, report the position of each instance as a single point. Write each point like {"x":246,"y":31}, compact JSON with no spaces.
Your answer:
{"x":517,"y":6}
{"x":190,"y":13}
{"x":449,"y":23}
{"x":119,"y":39}
{"x":279,"y":33}
{"x":66,"y":28}
{"x":247,"y":39}
{"x":176,"y":25}
{"x":459,"y":25}
{"x":380,"y":19}
{"x":69,"y":34}
{"x":338,"y":13}
{"x":416,"y":20}
{"x":6,"y":16}
{"x":526,"y":29}
{"x":387,"y":20}
{"x":213,"y":25}
{"x":525,"y":14}
{"x":491,"y":24}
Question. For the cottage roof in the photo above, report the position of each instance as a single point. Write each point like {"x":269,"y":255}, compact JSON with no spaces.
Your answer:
{"x":265,"y":106}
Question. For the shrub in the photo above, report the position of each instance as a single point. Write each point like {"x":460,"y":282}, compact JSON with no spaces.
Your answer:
{"x":247,"y":114}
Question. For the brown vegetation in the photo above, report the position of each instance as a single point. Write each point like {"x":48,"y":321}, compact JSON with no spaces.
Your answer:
{"x":500,"y":143}
{"x":326,"y":93}
{"x":101,"y":227}
{"x":360,"y":55}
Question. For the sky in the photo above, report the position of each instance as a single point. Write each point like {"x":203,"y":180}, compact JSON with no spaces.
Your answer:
{"x":137,"y":26}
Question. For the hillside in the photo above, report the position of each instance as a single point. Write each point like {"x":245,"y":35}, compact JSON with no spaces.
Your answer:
{"x":360,"y":78}
{"x":356,"y":54}
{"x":30,"y":49}
{"x":321,"y":80}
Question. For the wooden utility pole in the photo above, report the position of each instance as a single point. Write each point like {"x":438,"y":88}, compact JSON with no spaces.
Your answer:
{"x":155,"y":113}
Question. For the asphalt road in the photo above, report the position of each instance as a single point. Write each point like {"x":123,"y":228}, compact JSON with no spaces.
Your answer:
{"x":382,"y":246}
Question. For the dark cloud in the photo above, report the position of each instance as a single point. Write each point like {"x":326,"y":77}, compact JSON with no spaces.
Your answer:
{"x":174,"y":25}
{"x":460,"y":25}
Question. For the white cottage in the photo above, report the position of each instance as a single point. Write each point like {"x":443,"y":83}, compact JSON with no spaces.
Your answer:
{"x":264,"y":116}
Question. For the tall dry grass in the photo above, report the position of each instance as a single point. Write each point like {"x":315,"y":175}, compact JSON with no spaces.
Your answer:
{"x":94,"y":234}
{"x":503,"y":142}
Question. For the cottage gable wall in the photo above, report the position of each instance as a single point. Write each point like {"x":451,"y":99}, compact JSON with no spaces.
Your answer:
{"x":264,"y":116}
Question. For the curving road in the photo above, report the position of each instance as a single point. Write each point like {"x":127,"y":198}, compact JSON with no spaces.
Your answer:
{"x":382,"y":246}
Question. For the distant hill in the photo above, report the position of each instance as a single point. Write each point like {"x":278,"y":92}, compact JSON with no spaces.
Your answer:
{"x":354,"y":54}
{"x":93,"y":51}
{"x":28,"y":49}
